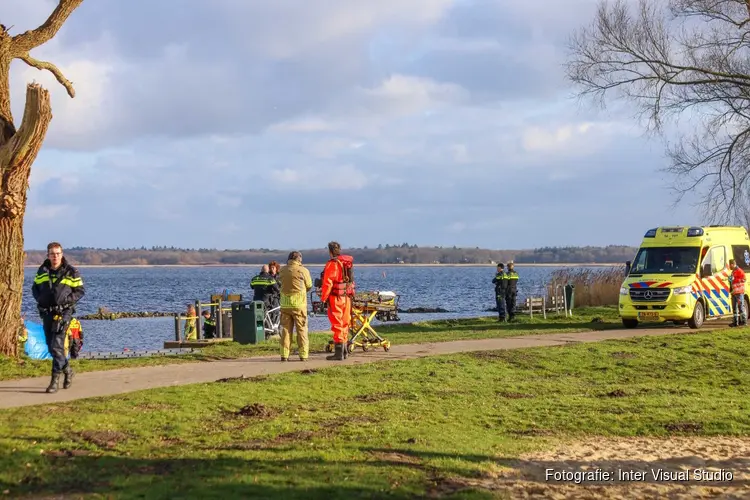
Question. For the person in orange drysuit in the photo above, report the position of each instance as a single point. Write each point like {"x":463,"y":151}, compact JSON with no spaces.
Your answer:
{"x":335,"y":291}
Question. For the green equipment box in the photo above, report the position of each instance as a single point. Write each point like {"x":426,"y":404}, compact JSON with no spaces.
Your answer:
{"x":247,"y":322}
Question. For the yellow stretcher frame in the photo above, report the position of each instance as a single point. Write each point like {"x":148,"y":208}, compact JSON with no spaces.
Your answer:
{"x":361,"y":332}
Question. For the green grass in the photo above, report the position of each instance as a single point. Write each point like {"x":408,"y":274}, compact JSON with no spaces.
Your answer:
{"x":397,"y":429}
{"x":421,"y":332}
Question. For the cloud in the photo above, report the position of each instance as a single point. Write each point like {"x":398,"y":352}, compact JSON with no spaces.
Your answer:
{"x":449,"y":120}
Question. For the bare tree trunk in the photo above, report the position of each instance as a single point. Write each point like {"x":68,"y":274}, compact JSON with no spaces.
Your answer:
{"x":16,"y":157}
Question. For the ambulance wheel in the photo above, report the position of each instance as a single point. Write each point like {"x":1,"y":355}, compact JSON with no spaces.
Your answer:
{"x":387,"y":347}
{"x":350,"y":348}
{"x":629,"y":323}
{"x":329,"y":348}
{"x":698,"y":317}
{"x":365,"y":348}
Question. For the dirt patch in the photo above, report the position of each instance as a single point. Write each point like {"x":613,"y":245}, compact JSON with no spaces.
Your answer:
{"x":684,"y":427}
{"x":527,"y":476}
{"x":257,"y":410}
{"x":66,"y":453}
{"x":623,"y":355}
{"x":243,"y":378}
{"x":375,"y":397}
{"x":396,"y":458}
{"x":532,"y":432}
{"x":103,"y":439}
{"x":255,"y":444}
{"x":170,"y":441}
{"x":487,"y":355}
{"x":513,"y":395}
{"x":617,"y":393}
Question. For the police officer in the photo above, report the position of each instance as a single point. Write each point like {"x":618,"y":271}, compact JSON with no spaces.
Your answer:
{"x":57,"y":289}
{"x":501,"y":282}
{"x":265,"y":288}
{"x":511,"y":291}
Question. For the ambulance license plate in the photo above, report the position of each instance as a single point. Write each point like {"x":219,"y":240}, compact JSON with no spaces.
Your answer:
{"x":648,"y":316}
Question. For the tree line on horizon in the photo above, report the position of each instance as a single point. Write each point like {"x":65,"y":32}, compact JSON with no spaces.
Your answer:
{"x":382,"y":254}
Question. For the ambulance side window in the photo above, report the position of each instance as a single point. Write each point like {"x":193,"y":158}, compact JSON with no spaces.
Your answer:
{"x":716,"y":258}
{"x":741,"y":255}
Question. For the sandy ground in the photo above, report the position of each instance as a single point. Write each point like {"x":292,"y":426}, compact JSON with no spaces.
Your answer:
{"x":728,"y":458}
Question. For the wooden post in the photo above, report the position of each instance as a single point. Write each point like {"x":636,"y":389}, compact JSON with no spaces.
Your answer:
{"x":219,"y":322}
{"x":198,"y":319}
{"x":531,"y":307}
{"x":177,"y":327}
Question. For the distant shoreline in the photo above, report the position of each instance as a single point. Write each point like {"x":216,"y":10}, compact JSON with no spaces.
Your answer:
{"x":356,"y":265}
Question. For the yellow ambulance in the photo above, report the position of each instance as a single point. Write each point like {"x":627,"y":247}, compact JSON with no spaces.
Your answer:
{"x":681,"y":274}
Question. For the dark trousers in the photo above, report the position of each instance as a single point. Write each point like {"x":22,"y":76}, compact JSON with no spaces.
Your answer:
{"x":500,"y":302}
{"x":54,"y":334}
{"x":510,"y":304}
{"x":738,"y":309}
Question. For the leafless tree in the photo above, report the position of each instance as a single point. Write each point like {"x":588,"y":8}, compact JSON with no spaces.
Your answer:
{"x":676,"y":59}
{"x":18,"y":150}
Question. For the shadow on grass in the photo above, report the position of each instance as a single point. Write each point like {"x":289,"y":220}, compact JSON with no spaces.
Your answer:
{"x":373,"y":473}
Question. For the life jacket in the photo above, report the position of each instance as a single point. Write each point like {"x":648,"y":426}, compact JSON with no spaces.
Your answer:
{"x":346,"y":286}
{"x":738,"y":282}
{"x":74,"y":329}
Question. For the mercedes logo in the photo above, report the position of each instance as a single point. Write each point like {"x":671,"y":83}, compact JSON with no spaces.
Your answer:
{"x":648,"y":295}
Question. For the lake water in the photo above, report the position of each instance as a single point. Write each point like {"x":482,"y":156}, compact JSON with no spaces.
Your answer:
{"x":464,"y":291}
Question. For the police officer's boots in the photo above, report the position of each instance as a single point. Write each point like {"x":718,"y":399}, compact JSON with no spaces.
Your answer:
{"x":338,"y":353}
{"x":68,"y":378}
{"x":54,"y":383}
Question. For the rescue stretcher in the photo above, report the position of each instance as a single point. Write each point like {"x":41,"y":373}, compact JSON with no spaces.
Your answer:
{"x":366,"y":306}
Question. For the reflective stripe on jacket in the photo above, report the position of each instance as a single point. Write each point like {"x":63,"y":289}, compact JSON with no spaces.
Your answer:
{"x":295,"y":283}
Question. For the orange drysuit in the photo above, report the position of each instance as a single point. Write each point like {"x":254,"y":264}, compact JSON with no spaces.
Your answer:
{"x":339,"y":305}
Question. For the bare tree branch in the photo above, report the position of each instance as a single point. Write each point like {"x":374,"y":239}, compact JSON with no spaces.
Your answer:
{"x":28,"y":40}
{"x":677,"y":59}
{"x":42,"y":65}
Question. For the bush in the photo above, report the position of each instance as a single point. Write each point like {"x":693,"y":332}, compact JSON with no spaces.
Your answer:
{"x":593,"y":287}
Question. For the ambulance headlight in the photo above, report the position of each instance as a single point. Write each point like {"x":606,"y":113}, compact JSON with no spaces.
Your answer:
{"x":683,"y":290}
{"x":623,"y":290}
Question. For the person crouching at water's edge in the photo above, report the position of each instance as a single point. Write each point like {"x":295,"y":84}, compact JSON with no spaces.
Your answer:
{"x":336,"y":291}
{"x":501,"y":284}
{"x":295,"y":283}
{"x":209,"y":325}
{"x":57,"y":288}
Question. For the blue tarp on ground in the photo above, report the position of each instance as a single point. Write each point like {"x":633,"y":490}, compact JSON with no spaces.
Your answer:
{"x":36,"y":345}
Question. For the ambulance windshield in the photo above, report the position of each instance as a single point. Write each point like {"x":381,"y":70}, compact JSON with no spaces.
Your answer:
{"x":667,"y":260}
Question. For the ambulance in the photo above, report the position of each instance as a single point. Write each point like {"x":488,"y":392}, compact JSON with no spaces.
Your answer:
{"x":681,"y":274}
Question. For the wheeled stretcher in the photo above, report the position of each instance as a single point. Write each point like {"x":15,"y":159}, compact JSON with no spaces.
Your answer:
{"x":366,"y":306}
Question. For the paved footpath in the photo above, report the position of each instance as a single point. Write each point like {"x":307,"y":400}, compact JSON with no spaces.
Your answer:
{"x":30,"y":391}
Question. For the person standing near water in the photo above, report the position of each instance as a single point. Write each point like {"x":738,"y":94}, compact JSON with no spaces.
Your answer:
{"x":57,"y":288}
{"x":501,"y":284}
{"x":511,"y":292}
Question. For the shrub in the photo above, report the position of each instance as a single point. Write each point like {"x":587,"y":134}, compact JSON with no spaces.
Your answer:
{"x":593,"y":287}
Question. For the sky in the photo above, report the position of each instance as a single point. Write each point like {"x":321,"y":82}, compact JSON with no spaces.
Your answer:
{"x":254,"y":124}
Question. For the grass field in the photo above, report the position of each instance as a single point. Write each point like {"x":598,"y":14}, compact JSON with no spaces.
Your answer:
{"x":430,"y":331}
{"x":478,"y":425}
